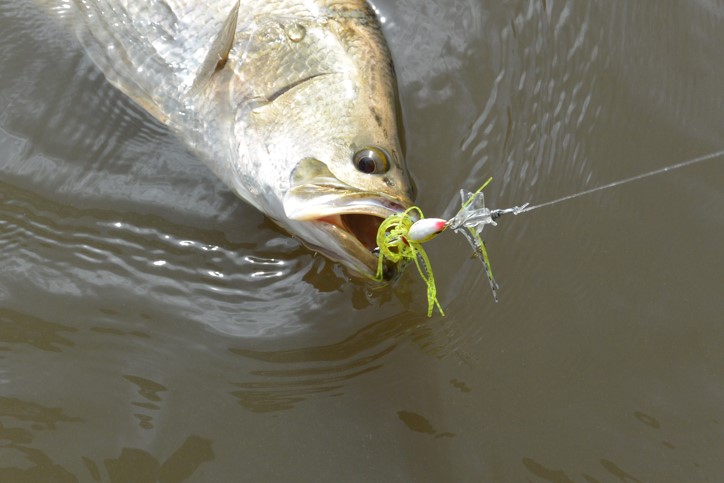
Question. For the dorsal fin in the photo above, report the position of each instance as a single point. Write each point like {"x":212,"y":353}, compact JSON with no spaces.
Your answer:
{"x":220,"y":48}
{"x":157,"y":52}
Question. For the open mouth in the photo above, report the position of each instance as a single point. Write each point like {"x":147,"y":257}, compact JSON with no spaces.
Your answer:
{"x":345,"y":219}
{"x":360,"y":230}
{"x":362,"y":226}
{"x":349,"y":224}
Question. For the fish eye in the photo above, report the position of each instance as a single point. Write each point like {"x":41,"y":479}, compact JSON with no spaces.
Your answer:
{"x":371,"y":161}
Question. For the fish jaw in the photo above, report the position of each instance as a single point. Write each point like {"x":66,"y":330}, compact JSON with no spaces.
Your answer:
{"x":342,"y":225}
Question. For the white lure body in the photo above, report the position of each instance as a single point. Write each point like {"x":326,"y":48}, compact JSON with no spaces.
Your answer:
{"x":426,"y":229}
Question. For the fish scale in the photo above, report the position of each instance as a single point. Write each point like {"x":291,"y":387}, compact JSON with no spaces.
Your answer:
{"x":276,"y":98}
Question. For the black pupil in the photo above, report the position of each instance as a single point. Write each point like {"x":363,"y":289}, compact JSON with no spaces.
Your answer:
{"x":366,"y":164}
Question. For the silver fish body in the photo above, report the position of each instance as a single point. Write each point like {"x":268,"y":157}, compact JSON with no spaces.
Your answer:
{"x":292,"y":103}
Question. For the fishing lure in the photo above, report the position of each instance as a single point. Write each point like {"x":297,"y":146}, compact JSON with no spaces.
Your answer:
{"x":398,"y":241}
{"x":400,"y":238}
{"x":470,"y":221}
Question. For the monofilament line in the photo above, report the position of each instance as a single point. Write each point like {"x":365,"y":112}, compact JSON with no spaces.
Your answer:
{"x":627,"y":180}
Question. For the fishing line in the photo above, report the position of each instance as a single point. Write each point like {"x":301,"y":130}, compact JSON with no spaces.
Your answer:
{"x":666,"y":169}
{"x":400,"y":236}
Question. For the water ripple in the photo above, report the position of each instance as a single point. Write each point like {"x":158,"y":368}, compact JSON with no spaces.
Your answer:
{"x":289,"y":377}
{"x":80,"y":254}
{"x":547,"y":58}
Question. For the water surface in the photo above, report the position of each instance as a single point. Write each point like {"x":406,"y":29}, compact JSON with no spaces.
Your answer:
{"x":154,"y":327}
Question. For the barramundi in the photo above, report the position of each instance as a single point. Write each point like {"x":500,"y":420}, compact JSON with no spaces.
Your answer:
{"x":292,"y":103}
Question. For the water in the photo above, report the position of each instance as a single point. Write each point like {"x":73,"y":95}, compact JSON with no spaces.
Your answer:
{"x":153,"y":327}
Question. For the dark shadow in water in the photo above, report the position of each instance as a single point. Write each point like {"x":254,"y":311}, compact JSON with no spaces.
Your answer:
{"x":612,"y":468}
{"x":150,"y":391}
{"x":559,"y":476}
{"x":140,"y":466}
{"x":42,"y":417}
{"x":18,"y":439}
{"x":554,"y":476}
{"x":132,"y":464}
{"x":420,"y":424}
{"x":43,"y":468}
{"x":19,"y":328}
{"x":648,"y":420}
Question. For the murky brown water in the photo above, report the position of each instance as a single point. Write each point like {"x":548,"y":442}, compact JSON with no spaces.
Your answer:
{"x":153,"y":327}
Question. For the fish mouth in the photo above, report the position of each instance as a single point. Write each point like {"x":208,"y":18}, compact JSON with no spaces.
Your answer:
{"x":341,"y":221}
{"x":345,"y":226}
{"x":358,"y":235}
{"x":361,"y":226}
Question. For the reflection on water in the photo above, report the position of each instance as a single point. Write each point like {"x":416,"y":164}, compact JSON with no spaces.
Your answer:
{"x":154,"y":328}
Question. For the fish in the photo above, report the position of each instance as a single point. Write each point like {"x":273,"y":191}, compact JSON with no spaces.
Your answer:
{"x":293,"y":104}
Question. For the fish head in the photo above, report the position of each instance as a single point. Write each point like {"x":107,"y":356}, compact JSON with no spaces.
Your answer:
{"x":292,"y":104}
{"x":329,"y":134}
{"x":339,"y":163}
